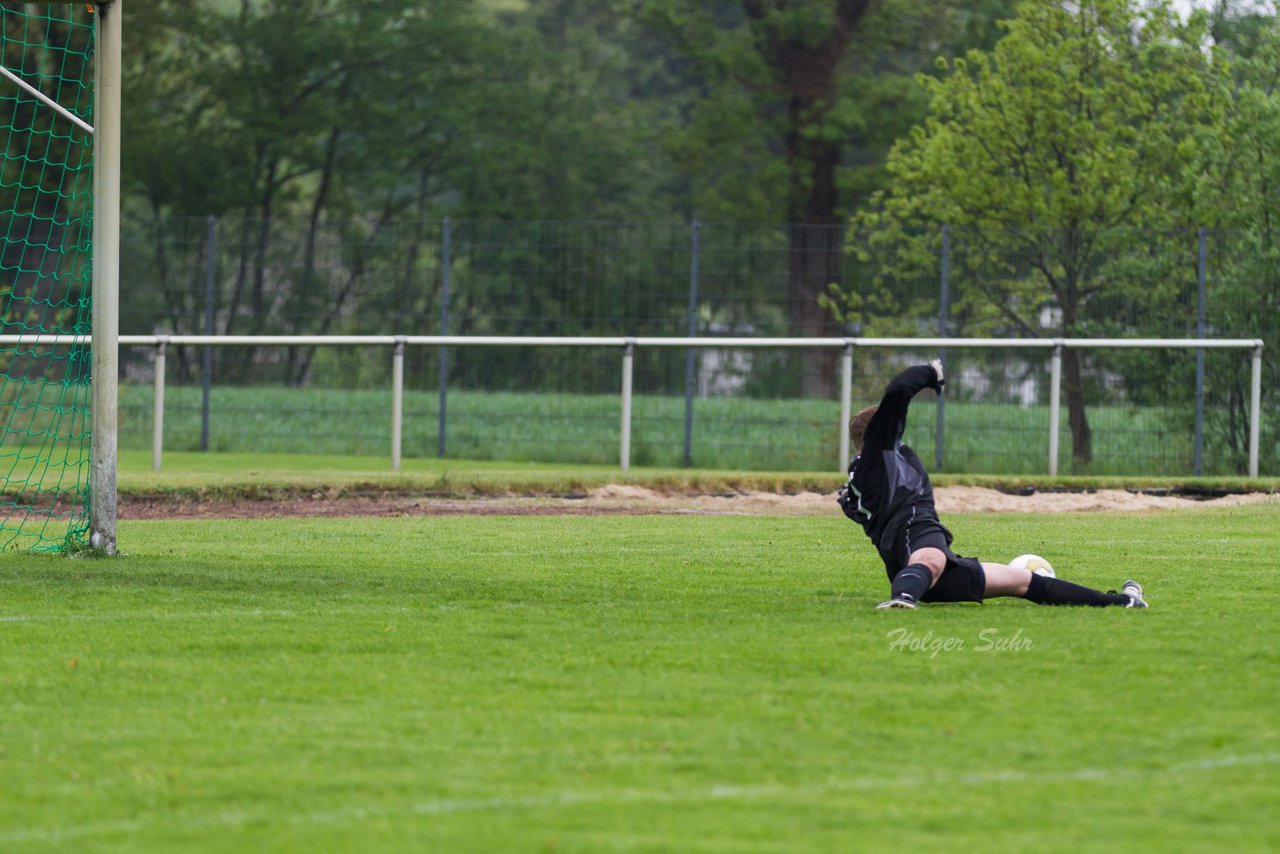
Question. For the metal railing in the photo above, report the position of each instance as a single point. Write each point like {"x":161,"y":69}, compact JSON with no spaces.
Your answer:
{"x":628,"y":346}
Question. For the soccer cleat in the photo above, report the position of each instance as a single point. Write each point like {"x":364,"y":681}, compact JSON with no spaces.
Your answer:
{"x":1133,"y":590}
{"x":904,"y":601}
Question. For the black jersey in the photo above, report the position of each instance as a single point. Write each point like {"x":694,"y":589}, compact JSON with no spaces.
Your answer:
{"x":887,"y":479}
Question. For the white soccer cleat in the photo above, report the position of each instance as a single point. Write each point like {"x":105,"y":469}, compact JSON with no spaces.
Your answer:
{"x":904,"y":602}
{"x":1133,"y":590}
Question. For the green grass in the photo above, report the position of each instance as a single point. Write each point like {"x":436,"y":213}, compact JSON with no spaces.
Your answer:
{"x":737,"y":434}
{"x":635,"y":684}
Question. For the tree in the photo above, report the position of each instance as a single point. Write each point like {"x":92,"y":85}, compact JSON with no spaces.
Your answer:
{"x":356,"y":114}
{"x":788,"y":59}
{"x":797,"y":107}
{"x":1240,"y":204}
{"x":1084,"y":119}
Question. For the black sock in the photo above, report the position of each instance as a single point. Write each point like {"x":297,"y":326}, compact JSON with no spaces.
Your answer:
{"x":914,"y":581}
{"x":1055,"y":591}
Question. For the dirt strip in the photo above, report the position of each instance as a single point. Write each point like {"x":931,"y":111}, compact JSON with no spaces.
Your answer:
{"x":634,"y":500}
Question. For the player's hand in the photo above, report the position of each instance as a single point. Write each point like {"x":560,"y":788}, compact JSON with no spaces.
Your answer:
{"x":936,"y":364}
{"x":848,"y":504}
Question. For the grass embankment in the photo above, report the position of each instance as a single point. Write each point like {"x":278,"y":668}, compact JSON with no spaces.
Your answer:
{"x":210,"y":476}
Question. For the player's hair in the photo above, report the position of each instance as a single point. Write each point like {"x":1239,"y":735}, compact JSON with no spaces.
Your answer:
{"x":858,"y":425}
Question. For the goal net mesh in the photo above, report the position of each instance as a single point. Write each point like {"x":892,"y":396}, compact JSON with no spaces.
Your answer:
{"x":46,"y":211}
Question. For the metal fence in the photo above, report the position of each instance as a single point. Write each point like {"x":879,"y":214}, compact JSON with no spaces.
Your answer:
{"x":249,"y":277}
{"x":1049,"y":427}
{"x":441,"y":278}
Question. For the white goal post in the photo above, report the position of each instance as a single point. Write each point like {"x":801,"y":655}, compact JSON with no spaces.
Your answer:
{"x":104,"y":422}
{"x":104,"y":133}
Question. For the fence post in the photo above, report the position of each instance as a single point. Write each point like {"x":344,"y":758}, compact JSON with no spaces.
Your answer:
{"x":1255,"y":409}
{"x":1201,"y":301}
{"x":944,"y":309}
{"x":206,"y":358}
{"x":628,"y":357}
{"x":846,"y":402}
{"x":446,"y":268}
{"x":157,"y":418}
{"x":397,"y":401}
{"x":691,"y":354}
{"x":1055,"y":405}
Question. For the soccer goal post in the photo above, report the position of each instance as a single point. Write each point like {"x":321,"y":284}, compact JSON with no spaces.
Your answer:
{"x":59,"y":273}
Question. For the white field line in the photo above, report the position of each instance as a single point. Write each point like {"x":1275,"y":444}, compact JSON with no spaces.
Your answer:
{"x":763,"y":792}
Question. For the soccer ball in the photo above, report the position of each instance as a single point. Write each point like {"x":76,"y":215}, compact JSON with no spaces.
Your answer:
{"x":1035,"y":563}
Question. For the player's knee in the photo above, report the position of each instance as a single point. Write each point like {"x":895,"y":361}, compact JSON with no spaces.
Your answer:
{"x":931,"y":559}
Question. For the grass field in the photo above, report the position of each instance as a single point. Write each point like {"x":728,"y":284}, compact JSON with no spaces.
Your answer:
{"x":635,"y":684}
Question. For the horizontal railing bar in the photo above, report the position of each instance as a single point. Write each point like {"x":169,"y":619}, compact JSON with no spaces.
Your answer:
{"x":159,"y":343}
{"x":274,"y":340}
{"x":746,"y":343}
{"x":44,"y":340}
{"x":517,"y":340}
{"x":1158,"y":343}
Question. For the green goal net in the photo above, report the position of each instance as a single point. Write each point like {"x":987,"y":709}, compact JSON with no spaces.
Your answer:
{"x":46,"y":216}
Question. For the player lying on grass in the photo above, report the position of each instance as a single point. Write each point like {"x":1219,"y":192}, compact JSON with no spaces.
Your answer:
{"x":890,"y":496}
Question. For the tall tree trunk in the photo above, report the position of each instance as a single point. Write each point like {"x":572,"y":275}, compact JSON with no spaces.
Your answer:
{"x":1072,"y":372}
{"x":258,"y":294}
{"x":298,"y":362}
{"x":814,"y":262}
{"x":815,"y":237}
{"x":808,"y":71}
{"x":223,"y":355}
{"x":1077,"y":417}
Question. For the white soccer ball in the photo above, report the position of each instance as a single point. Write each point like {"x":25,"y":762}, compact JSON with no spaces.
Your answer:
{"x":1035,"y":563}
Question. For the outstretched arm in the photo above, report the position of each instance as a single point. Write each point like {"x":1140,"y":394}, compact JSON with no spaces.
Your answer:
{"x":886,"y":426}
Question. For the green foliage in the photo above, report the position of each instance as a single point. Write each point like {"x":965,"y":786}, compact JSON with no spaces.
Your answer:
{"x":378,"y":109}
{"x":1240,"y":170}
{"x":330,"y":138}
{"x":1084,"y":122}
{"x":799,"y":103}
{"x":783,"y":86}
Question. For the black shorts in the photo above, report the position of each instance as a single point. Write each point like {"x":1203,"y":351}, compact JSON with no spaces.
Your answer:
{"x":962,"y":580}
